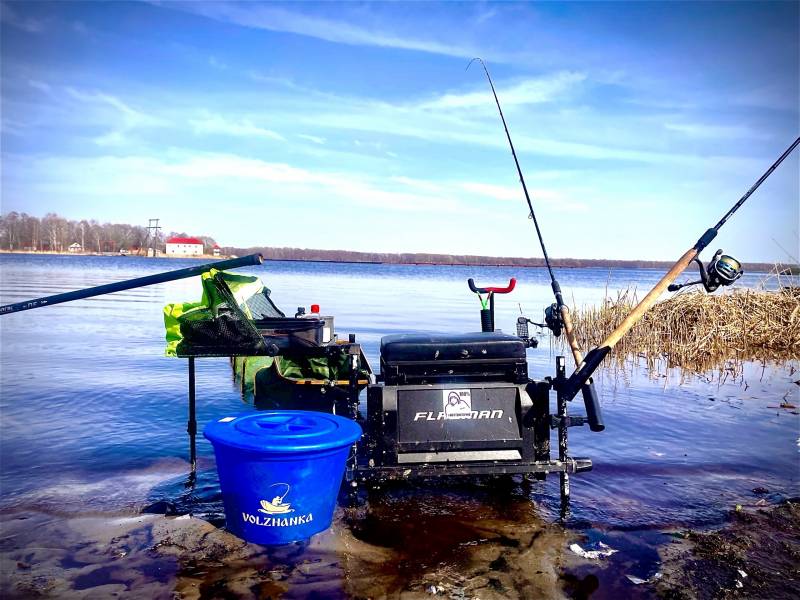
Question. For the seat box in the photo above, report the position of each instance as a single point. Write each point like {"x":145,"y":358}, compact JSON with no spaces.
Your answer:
{"x":418,"y":358}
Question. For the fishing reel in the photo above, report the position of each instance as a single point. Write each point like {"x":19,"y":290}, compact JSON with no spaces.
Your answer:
{"x":722,"y":270}
{"x":552,"y":321}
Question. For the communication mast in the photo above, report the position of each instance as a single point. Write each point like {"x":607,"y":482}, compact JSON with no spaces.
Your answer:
{"x":152,"y":237}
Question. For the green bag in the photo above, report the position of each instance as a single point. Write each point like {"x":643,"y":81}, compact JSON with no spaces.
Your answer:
{"x":221,"y":324}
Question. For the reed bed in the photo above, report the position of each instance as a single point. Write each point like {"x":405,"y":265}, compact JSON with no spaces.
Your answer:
{"x":700,"y":332}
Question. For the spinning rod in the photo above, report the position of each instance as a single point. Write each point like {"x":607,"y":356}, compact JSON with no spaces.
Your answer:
{"x":722,"y":270}
{"x":244,"y":261}
{"x":556,"y":316}
{"x":561,"y":308}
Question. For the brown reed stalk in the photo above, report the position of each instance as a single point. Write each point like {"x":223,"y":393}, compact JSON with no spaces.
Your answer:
{"x":700,"y":332}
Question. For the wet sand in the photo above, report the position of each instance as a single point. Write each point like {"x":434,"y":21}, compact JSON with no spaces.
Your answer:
{"x":398,"y":544}
{"x":756,"y":555}
{"x":394,"y":546}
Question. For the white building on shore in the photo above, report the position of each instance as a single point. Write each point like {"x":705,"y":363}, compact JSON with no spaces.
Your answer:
{"x":178,"y":246}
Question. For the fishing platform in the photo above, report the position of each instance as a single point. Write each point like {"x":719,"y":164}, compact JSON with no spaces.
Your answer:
{"x":451,"y":404}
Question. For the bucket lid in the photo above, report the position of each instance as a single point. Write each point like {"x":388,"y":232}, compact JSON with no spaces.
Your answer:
{"x":283,"y":431}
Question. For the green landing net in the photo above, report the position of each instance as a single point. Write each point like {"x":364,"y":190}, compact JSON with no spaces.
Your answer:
{"x":222,"y":322}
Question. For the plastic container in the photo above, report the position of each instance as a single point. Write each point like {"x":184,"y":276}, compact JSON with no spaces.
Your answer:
{"x":280,"y":471}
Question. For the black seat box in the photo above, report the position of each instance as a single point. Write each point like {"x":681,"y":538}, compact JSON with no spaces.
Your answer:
{"x":435,"y":358}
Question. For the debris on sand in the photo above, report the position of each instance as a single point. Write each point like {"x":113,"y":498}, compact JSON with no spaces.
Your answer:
{"x":757,"y":555}
{"x":602,"y":551}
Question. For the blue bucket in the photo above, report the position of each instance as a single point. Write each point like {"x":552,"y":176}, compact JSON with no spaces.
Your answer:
{"x":280,"y":471}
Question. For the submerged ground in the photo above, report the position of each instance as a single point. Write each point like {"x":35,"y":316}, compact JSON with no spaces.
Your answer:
{"x":472,"y":544}
{"x":93,"y":433}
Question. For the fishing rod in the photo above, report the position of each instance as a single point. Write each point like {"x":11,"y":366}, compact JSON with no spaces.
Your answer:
{"x":557,"y":316}
{"x":725,"y":275}
{"x":244,"y":261}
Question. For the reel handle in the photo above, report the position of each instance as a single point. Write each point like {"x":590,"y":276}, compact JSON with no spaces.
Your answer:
{"x":492,"y":290}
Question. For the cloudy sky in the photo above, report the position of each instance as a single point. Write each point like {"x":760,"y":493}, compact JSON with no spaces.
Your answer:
{"x":357,"y":126}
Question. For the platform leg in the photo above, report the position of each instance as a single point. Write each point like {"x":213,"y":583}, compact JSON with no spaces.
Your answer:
{"x":191,"y":426}
{"x":563,"y":446}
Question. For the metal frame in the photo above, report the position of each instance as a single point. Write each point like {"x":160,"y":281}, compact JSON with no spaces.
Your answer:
{"x":538,"y":433}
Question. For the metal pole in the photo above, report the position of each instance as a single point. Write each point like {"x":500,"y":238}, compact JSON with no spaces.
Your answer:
{"x":563,"y":456}
{"x":252,"y":259}
{"x":191,"y":427}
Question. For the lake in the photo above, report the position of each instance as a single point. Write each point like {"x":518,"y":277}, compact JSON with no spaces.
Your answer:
{"x":93,"y":415}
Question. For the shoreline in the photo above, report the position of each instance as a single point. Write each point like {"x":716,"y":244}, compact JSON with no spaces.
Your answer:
{"x":753,"y":554}
{"x":593,"y":263}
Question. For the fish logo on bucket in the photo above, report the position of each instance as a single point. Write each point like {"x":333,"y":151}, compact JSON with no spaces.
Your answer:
{"x":277,"y":506}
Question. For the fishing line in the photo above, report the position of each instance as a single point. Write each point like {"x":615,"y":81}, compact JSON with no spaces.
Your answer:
{"x":556,"y":316}
{"x":554,"y":283}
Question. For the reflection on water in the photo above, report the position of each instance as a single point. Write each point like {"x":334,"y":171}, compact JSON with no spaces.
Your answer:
{"x":94,"y":416}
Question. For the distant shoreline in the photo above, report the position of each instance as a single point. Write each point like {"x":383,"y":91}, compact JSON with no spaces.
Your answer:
{"x":396,"y":259}
{"x":106,"y":254}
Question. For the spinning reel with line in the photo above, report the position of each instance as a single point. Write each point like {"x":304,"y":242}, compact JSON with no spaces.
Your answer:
{"x":721,"y":271}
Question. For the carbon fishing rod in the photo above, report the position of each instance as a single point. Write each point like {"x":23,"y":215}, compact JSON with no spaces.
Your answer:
{"x":244,"y":261}
{"x":556,"y":316}
{"x":726,"y":274}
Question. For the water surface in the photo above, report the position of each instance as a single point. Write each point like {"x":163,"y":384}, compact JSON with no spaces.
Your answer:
{"x":93,"y":416}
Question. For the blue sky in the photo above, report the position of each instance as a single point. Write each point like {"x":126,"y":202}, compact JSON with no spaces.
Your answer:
{"x":356,"y":125}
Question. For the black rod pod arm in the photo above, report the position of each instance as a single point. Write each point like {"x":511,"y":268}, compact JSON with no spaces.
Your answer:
{"x":234,"y":263}
{"x":584,"y":371}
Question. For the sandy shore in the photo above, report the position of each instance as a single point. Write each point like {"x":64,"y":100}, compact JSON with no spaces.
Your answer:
{"x":386,"y":549}
{"x":757,"y":555}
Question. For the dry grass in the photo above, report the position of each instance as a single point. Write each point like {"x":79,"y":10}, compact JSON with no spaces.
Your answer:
{"x":700,"y":332}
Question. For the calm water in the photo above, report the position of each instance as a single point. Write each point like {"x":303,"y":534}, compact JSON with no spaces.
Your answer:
{"x":94,"y":416}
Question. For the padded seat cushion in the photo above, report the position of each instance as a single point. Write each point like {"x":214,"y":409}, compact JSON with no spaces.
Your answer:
{"x":414,"y":347}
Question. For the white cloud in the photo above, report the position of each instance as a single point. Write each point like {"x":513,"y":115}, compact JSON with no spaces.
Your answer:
{"x":214,"y":123}
{"x":122,"y":122}
{"x":12,"y":17}
{"x":496,"y":192}
{"x":772,"y":97}
{"x":133,"y":116}
{"x":40,"y":85}
{"x":274,"y":18}
{"x":555,"y":199}
{"x":80,"y":27}
{"x":530,"y":91}
{"x":312,"y":138}
{"x":217,"y":63}
{"x":722,"y":132}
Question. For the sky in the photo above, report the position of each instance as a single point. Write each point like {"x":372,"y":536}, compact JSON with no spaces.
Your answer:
{"x":358,"y":125}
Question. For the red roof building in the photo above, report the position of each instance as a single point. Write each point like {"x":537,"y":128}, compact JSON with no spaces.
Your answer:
{"x":184,"y":246}
{"x":186,"y":240}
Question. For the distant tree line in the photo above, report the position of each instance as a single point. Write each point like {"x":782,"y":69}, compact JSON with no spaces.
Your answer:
{"x":22,"y":232}
{"x":304,"y":254}
{"x":54,"y":233}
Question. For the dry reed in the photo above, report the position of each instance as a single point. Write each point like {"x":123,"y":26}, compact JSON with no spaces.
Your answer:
{"x":700,"y":332}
